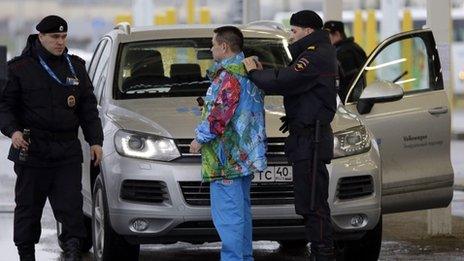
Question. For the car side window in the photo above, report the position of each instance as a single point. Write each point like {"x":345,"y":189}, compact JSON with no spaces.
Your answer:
{"x":96,"y":58}
{"x":408,"y":62}
{"x":99,"y":78}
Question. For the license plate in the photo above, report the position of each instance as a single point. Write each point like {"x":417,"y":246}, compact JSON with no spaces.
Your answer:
{"x":274,"y":174}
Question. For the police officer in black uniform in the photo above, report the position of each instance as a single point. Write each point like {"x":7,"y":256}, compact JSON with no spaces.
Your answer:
{"x":350,"y":55}
{"x":49,"y":94}
{"x":308,"y":86}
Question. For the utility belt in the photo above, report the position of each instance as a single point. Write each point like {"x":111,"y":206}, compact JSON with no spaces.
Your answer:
{"x":53,"y":136}
{"x":308,"y":129}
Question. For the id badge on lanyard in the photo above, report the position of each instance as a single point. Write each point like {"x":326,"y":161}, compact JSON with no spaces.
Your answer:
{"x":70,"y":81}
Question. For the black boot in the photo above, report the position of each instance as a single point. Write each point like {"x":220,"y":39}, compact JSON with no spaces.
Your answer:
{"x":26,"y":252}
{"x":322,"y":254}
{"x":72,"y":250}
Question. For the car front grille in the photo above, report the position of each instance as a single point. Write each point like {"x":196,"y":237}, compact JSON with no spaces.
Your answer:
{"x":275,"y":151}
{"x":276,"y":193}
{"x":144,"y":191}
{"x":355,"y":187}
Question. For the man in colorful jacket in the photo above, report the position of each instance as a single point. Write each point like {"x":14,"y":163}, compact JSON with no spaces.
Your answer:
{"x":232,"y":139}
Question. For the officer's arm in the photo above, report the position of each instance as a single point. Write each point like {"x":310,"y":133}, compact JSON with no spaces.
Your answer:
{"x":10,"y":96}
{"x":222,"y":111}
{"x":88,"y":114}
{"x":288,"y":81}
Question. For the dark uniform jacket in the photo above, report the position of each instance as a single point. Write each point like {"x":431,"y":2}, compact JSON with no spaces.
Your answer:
{"x":308,"y":85}
{"x":351,"y":57}
{"x":33,"y":99}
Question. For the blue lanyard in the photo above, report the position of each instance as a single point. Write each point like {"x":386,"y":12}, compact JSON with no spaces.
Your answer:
{"x":52,"y":74}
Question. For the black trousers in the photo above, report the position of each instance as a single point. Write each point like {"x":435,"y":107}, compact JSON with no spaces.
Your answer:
{"x":62,"y":186}
{"x":318,"y":225}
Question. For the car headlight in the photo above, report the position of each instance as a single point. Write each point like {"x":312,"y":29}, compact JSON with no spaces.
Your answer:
{"x":145,"y":146}
{"x":351,"y":141}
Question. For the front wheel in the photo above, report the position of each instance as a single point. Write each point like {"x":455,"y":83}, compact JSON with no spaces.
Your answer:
{"x":107,"y":244}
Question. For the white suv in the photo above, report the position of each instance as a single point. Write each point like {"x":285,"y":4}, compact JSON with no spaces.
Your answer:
{"x":392,"y":138}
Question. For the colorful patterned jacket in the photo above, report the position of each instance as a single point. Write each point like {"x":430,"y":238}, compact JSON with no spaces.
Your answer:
{"x":232,"y":130}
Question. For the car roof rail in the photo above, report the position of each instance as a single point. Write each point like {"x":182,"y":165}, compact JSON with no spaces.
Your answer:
{"x":267,"y":23}
{"x":124,"y":26}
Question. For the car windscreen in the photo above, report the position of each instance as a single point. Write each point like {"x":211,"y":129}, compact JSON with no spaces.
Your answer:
{"x":177,"y":68}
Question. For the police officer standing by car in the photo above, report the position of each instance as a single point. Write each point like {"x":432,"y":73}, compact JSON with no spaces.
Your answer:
{"x":308,"y":86}
{"x":47,"y":97}
{"x":350,"y":55}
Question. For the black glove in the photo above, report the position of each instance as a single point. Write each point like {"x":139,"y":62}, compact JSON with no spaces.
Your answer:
{"x":284,"y":127}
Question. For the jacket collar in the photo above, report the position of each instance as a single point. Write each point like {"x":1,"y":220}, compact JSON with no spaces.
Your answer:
{"x":228,"y":64}
{"x":34,"y":48}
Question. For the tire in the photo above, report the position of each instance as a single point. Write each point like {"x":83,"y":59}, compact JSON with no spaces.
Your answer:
{"x":367,"y":248}
{"x":296,"y":245}
{"x":86,"y":244}
{"x":107,"y":244}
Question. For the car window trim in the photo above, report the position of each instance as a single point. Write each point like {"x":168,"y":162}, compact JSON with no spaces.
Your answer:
{"x":98,"y":52}
{"x":99,"y":92}
{"x":425,"y":35}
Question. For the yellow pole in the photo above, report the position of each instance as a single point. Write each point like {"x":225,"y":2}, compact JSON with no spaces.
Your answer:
{"x":358,"y":28}
{"x":160,"y":19}
{"x":190,"y":11}
{"x":371,"y":31}
{"x":406,"y":51}
{"x":205,"y":18}
{"x":371,"y":39}
{"x":127,"y":17}
{"x":171,"y":16}
{"x":205,"y":15}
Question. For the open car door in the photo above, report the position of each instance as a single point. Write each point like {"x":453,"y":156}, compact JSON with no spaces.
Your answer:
{"x":399,"y":95}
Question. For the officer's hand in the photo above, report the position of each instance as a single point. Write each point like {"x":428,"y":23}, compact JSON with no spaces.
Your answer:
{"x":18,"y":140}
{"x":195,"y":146}
{"x":96,"y":154}
{"x":252,"y":64}
{"x":284,"y":127}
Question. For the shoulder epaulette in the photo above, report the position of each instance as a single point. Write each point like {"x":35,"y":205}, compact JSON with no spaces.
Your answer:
{"x":19,"y":61}
{"x":16,"y":59}
{"x":311,"y":48}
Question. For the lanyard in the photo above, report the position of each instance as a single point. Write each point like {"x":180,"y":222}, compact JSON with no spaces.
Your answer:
{"x":52,"y":74}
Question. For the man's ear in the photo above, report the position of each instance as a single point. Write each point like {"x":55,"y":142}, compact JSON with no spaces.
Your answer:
{"x":309,"y":30}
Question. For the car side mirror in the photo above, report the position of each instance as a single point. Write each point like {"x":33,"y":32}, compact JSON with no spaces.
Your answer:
{"x":3,"y":71}
{"x":377,"y":92}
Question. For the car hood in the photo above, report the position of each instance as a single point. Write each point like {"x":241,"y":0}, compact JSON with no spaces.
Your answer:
{"x":178,"y":117}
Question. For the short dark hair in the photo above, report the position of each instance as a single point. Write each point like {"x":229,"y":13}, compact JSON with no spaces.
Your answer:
{"x":230,"y":35}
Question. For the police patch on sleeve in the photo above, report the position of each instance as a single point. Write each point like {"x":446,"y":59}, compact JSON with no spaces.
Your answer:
{"x":301,"y":64}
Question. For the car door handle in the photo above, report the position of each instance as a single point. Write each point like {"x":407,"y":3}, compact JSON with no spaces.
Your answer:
{"x":438,"y":110}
